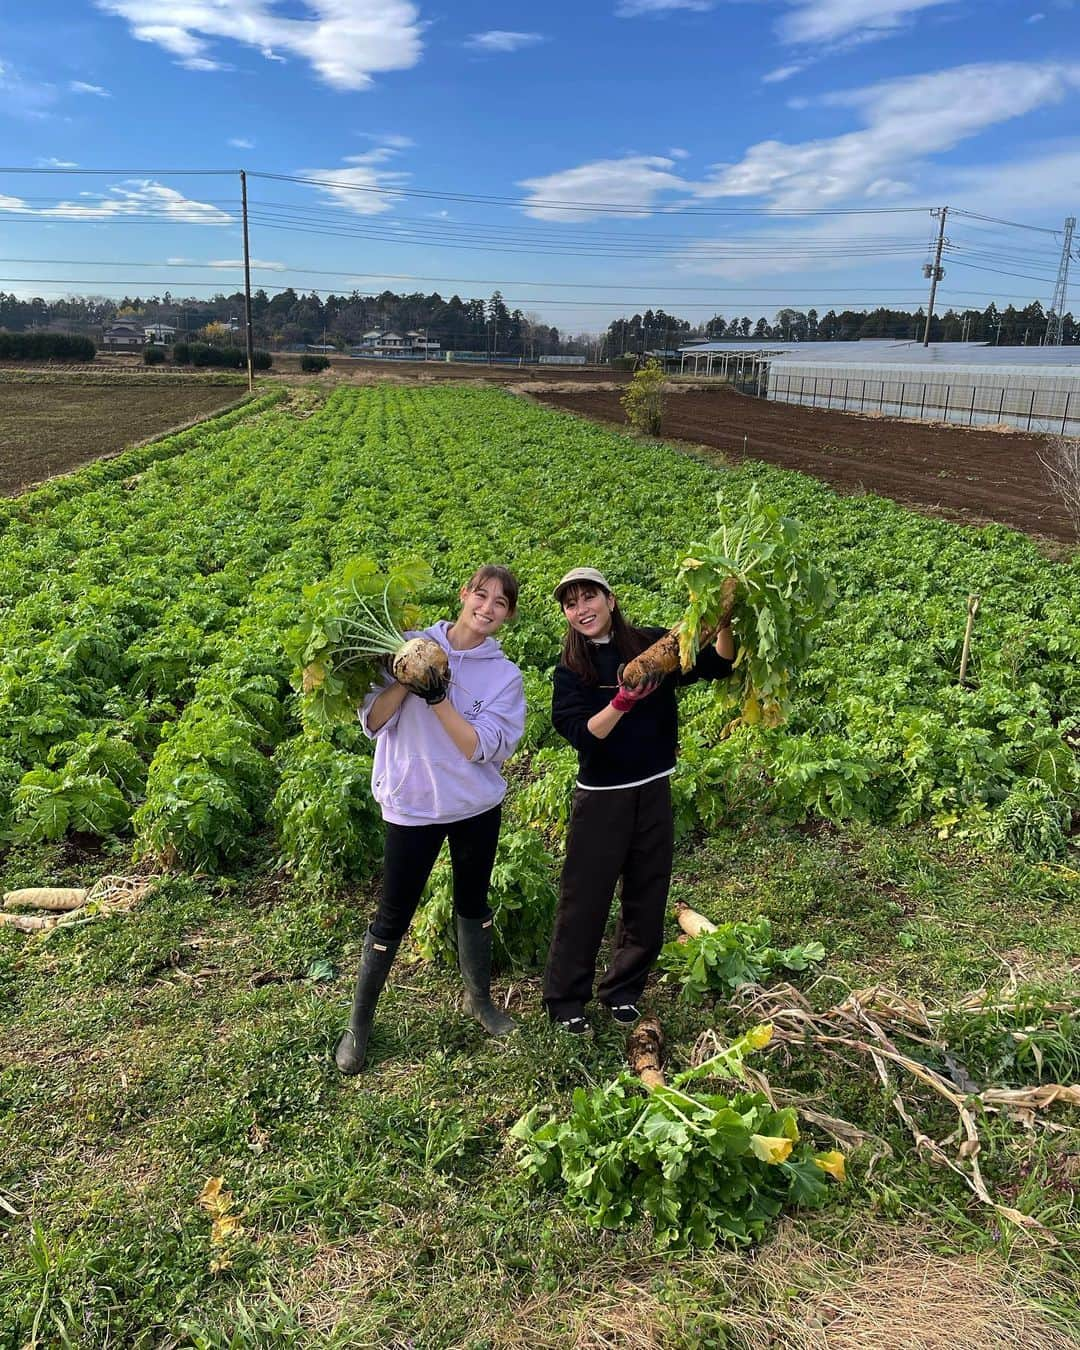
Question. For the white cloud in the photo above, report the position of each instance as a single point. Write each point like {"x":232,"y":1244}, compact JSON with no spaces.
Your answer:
{"x":80,"y":87}
{"x":783,"y":72}
{"x":23,"y":97}
{"x":356,"y":186}
{"x":904,"y":120}
{"x":227,"y":263}
{"x":1038,"y":187}
{"x":500,"y":40}
{"x":676,"y":152}
{"x":241,"y":143}
{"x":633,"y":9}
{"x":137,"y":197}
{"x":1035,"y":18}
{"x":257,"y":263}
{"x":804,"y":246}
{"x":56,"y":164}
{"x":829,"y":21}
{"x":633,"y":181}
{"x":345,"y":41}
{"x":391,"y":139}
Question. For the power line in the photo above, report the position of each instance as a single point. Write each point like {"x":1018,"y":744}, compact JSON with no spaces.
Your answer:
{"x":1013,"y":224}
{"x":997,"y":271}
{"x":462,"y":281}
{"x":534,"y":203}
{"x":322,"y":290}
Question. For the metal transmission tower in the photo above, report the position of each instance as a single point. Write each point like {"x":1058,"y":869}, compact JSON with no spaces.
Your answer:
{"x":1057,"y":305}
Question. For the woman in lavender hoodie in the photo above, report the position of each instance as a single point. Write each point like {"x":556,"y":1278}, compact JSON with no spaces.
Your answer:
{"x":438,"y":756}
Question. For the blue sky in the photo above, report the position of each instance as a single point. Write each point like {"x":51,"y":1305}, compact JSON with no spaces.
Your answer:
{"x":681,"y":153}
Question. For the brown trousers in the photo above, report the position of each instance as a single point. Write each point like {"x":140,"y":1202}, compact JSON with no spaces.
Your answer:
{"x":627,"y":833}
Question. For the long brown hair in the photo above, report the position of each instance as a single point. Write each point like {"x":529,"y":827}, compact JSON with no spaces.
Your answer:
{"x":577,"y":651}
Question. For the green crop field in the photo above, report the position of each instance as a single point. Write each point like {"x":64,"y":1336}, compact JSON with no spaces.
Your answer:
{"x":183,"y":1166}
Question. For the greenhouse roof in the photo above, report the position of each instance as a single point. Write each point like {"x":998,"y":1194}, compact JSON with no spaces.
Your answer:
{"x":890,"y":351}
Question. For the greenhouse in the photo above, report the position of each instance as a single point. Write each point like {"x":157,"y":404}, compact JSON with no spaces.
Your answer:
{"x":970,"y":384}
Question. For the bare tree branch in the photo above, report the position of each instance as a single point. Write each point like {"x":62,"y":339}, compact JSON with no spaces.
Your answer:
{"x":1060,"y":460}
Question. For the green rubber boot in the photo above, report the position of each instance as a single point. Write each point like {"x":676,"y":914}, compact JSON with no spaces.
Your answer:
{"x":474,"y":960}
{"x":375,"y":962}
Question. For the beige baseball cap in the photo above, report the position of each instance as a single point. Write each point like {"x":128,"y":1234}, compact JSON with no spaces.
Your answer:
{"x":582,"y":574}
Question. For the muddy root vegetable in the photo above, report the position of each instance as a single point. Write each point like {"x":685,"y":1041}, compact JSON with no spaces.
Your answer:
{"x":691,"y":922}
{"x":661,"y":659}
{"x":420,"y":664}
{"x":55,"y":898}
{"x":645,"y":1053}
{"x":29,"y":923}
{"x":664,"y":657}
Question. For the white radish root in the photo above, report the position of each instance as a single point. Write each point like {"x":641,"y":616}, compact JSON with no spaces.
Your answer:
{"x":29,"y":923}
{"x":692,"y":923}
{"x":420,"y":664}
{"x":55,"y":898}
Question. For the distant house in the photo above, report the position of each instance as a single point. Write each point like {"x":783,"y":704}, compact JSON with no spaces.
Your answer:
{"x":159,"y":332}
{"x":380,"y":343}
{"x":124,"y":333}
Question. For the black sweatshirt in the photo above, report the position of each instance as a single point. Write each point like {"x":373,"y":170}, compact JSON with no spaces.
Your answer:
{"x":645,"y":742}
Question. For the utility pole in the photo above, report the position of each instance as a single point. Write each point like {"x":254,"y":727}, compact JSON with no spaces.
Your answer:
{"x":1053,"y":335}
{"x":247,"y":287}
{"x":934,"y":271}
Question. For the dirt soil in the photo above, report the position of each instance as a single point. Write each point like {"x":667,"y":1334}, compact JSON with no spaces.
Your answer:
{"x":53,"y":427}
{"x":974,"y":476}
{"x":443,"y":372}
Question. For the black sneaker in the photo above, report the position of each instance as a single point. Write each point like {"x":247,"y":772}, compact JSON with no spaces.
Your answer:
{"x":626,"y":1014}
{"x":575,"y":1026}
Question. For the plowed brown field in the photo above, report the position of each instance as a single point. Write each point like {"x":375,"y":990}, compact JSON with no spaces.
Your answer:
{"x":53,"y":427}
{"x":974,"y":476}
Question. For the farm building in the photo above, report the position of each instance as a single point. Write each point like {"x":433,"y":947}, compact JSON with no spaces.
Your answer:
{"x":124,"y":333}
{"x":969,"y":383}
{"x":379,"y":343}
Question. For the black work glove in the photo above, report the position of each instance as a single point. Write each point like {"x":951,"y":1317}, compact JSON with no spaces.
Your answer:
{"x":434,"y":691}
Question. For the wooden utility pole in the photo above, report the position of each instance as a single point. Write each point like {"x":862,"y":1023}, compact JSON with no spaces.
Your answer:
{"x":934,"y":271}
{"x":247,"y":287}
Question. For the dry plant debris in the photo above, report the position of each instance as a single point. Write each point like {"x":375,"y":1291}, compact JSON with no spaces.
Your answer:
{"x":861,"y":1023}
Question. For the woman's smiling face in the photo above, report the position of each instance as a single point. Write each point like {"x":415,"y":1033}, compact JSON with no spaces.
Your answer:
{"x":485,"y":609}
{"x":588,"y":610}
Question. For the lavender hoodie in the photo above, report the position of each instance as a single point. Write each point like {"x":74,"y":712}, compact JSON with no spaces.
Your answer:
{"x":420,"y":777}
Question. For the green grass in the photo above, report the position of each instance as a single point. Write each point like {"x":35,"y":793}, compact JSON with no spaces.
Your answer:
{"x":142,"y":1054}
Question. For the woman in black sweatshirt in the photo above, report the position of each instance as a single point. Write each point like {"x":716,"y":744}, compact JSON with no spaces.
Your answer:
{"x":621,"y":824}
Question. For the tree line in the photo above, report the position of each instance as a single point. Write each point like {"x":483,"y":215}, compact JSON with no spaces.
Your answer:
{"x":1009,"y":327}
{"x":292,"y":317}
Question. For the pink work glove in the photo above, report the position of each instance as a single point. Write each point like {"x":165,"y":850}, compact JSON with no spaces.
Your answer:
{"x":626,"y":699}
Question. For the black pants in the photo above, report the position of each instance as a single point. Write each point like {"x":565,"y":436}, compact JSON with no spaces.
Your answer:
{"x":630,"y":833}
{"x":409,"y":855}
